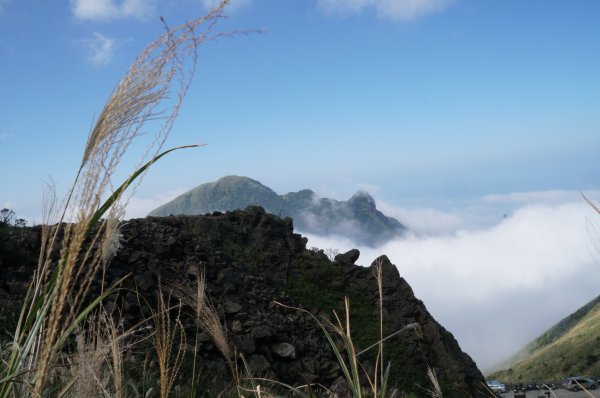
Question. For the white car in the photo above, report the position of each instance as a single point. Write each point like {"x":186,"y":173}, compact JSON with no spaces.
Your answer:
{"x":496,"y":386}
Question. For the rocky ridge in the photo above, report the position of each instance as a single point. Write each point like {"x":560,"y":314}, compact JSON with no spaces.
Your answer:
{"x":252,"y":259}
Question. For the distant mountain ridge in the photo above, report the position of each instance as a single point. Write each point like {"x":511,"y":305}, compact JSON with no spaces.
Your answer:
{"x":357,"y":218}
{"x":571,"y":347}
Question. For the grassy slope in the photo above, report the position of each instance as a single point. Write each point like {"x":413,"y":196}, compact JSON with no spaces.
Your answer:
{"x":571,"y":347}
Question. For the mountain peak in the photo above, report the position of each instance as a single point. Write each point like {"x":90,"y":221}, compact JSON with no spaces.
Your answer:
{"x":234,"y":179}
{"x":362,"y":198}
{"x":357,"y":218}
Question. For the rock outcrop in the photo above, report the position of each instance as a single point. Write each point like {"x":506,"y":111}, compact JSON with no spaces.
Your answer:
{"x":252,"y":261}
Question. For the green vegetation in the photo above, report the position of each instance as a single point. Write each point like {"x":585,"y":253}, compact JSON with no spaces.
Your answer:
{"x":569,"y":348}
{"x":8,"y":218}
{"x":11,"y":229}
{"x":308,"y":288}
{"x":13,"y":250}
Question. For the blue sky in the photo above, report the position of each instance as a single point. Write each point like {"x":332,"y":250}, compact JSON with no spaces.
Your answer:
{"x":444,"y":99}
{"x":450,"y":112}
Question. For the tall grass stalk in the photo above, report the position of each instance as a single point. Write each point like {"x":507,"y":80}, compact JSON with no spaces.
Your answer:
{"x":76,"y":242}
{"x":168,"y":336}
{"x":435,"y":391}
{"x":207,"y":319}
{"x":592,"y":204}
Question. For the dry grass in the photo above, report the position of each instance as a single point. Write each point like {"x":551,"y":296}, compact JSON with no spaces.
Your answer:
{"x":435,"y":391}
{"x":169,"y":342}
{"x":87,"y":366}
{"x":207,"y":319}
{"x":72,"y":254}
{"x":96,"y":366}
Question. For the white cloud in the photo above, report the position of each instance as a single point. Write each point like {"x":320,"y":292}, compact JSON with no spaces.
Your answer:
{"x":139,"y":207}
{"x":478,"y":213}
{"x":497,"y":287}
{"x":100,"y":49}
{"x":554,"y":196}
{"x":424,"y":221}
{"x":395,"y":10}
{"x":372,"y":189}
{"x":3,"y":136}
{"x":95,"y":10}
{"x":210,"y":4}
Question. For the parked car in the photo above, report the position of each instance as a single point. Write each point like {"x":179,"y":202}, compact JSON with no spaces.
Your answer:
{"x":578,"y":383}
{"x":496,"y":386}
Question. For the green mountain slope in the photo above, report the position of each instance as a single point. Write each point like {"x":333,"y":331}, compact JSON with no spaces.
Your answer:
{"x":357,"y":218}
{"x":571,"y":347}
{"x":227,"y":193}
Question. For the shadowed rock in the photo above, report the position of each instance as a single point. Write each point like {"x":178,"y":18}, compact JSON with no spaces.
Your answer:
{"x":251,"y":261}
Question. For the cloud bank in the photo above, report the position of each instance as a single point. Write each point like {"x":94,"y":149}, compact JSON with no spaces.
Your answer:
{"x":97,"y":10}
{"x":395,"y":10}
{"x":497,"y":287}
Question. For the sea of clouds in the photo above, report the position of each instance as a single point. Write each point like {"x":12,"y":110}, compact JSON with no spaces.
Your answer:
{"x":498,"y":271}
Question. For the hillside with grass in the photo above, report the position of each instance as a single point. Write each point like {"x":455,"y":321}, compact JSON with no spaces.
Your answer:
{"x":357,"y":218}
{"x":571,"y":347}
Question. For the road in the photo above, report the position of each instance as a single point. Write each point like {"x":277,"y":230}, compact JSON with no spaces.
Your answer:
{"x":558,"y":393}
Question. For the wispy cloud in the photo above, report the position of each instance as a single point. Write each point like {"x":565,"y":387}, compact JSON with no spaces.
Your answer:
{"x":210,"y":4}
{"x":8,"y":205}
{"x":140,"y":206}
{"x":97,"y":10}
{"x":100,"y":49}
{"x":395,"y":10}
{"x":3,"y":136}
{"x":531,"y":268}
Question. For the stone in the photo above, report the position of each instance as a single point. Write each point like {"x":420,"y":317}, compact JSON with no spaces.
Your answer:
{"x":262,"y":331}
{"x":236,"y":326}
{"x":232,"y":307}
{"x":284,"y":350}
{"x":340,"y":388}
{"x":258,"y":364}
{"x":348,"y":258}
{"x":243,"y":344}
{"x":144,"y":281}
